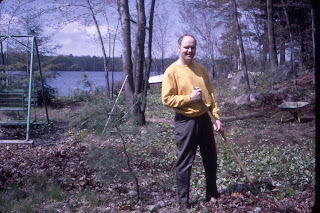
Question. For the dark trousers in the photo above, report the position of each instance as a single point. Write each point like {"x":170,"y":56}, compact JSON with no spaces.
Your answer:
{"x":189,"y":133}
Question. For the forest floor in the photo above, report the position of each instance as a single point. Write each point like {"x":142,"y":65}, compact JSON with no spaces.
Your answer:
{"x":77,"y":170}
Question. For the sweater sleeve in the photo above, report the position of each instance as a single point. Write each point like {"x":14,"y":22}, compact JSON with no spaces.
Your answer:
{"x":214,"y":109}
{"x":169,"y":93}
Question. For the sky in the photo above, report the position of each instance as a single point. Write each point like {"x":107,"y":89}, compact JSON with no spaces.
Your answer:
{"x":81,"y":39}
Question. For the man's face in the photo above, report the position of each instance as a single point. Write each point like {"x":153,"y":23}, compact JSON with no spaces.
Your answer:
{"x":187,"y":48}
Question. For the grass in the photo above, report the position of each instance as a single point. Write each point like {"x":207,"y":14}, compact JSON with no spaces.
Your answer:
{"x":30,"y":196}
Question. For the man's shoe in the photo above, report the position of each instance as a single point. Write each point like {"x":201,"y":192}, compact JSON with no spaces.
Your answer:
{"x":185,"y":206}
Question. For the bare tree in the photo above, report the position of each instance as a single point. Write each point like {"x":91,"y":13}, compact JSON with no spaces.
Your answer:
{"x":201,"y":18}
{"x":80,"y":10}
{"x":271,"y":39}
{"x":316,"y":7}
{"x":291,"y":45}
{"x":313,"y":45}
{"x":134,"y":70}
{"x":105,"y":59}
{"x":201,"y":22}
{"x":22,"y":17}
{"x":242,"y":52}
{"x":259,"y":26}
{"x":161,"y":35}
{"x":140,"y":37}
{"x":123,"y":7}
{"x":149,"y":58}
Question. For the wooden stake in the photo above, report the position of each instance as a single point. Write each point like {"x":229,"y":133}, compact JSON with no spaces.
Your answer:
{"x":105,"y":127}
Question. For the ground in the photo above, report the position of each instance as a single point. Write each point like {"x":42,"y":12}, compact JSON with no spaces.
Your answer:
{"x":79,"y":162}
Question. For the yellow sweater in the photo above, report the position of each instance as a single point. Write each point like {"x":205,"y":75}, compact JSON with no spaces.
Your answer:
{"x":177,"y":85}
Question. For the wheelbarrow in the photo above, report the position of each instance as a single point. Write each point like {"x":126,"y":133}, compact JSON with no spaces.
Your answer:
{"x":294,"y":108}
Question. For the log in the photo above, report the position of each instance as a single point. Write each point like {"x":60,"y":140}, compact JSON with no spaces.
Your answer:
{"x":16,"y":141}
{"x":235,"y":118}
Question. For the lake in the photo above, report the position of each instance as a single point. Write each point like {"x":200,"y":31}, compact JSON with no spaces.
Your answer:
{"x":69,"y":81}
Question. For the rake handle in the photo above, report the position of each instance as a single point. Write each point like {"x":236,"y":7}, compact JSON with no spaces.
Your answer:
{"x":231,"y":149}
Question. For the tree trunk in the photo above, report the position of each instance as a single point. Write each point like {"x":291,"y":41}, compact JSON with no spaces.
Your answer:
{"x":212,"y":69}
{"x":313,"y":46}
{"x":3,"y":79}
{"x":265,"y":48}
{"x":105,"y":59}
{"x":302,"y":52}
{"x":316,"y":6}
{"x":260,"y":42}
{"x":282,"y":43}
{"x":291,"y":46}
{"x":149,"y":58}
{"x":134,"y":71}
{"x":138,"y":67}
{"x":123,"y":8}
{"x":139,"y":47}
{"x":271,"y":39}
{"x":162,"y":60}
{"x":283,"y":52}
{"x":113,"y":49}
{"x":243,"y":60}
{"x":2,"y":54}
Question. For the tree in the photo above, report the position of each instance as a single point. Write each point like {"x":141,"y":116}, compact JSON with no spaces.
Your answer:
{"x":255,"y":12}
{"x":313,"y":45}
{"x":138,"y":56}
{"x":291,"y":45}
{"x":105,"y":59}
{"x":202,"y":22}
{"x":134,"y":87}
{"x":316,"y":7}
{"x":272,"y":47}
{"x":161,"y":35}
{"x":242,"y":52}
{"x":149,"y":58}
{"x":205,"y":26}
{"x":80,"y":10}
{"x":21,"y":17}
{"x":123,"y":8}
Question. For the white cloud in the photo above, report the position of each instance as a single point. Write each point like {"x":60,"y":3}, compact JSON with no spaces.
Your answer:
{"x":77,"y":39}
{"x":80,"y":40}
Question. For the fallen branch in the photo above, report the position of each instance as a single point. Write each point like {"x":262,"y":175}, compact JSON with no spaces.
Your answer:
{"x":235,"y":118}
{"x":129,"y":164}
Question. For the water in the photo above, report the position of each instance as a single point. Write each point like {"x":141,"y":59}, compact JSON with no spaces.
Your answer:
{"x":69,"y":81}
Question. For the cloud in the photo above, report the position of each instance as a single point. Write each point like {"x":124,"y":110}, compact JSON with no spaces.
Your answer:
{"x":78,"y":40}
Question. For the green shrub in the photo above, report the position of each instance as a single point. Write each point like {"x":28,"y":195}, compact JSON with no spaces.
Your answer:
{"x":95,"y":112}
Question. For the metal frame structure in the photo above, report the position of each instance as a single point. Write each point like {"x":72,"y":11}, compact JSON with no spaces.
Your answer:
{"x":33,"y":50}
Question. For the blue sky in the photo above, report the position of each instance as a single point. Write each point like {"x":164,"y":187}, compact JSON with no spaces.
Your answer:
{"x":79,"y":38}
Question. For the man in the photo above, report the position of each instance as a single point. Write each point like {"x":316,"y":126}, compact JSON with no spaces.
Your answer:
{"x":185,"y":87}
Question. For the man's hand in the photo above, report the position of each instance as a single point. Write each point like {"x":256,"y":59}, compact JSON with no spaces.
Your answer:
{"x":217,"y":126}
{"x":196,"y":94}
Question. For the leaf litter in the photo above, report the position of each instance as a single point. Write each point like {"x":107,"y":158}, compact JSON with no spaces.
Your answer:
{"x":89,"y":174}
